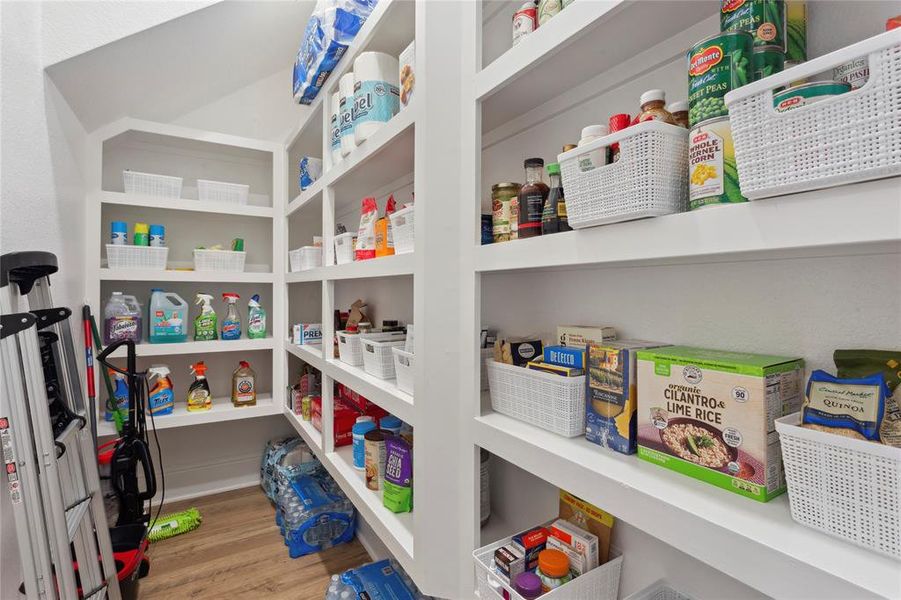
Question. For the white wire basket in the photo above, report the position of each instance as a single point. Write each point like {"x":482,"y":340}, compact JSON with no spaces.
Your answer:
{"x":220,"y":191}
{"x":344,"y":248}
{"x":546,"y":400}
{"x":404,"y":363}
{"x":844,"y":139}
{"x":649,"y":179}
{"x":120,"y":256}
{"x":219,"y":260}
{"x":150,"y":184}
{"x":600,"y":583}
{"x":402,"y":230}
{"x":378,"y":360}
{"x":305,"y":258}
{"x":845,"y":487}
{"x":659,"y":590}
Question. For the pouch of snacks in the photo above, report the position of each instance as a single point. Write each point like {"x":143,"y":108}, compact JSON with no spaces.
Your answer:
{"x":397,"y":495}
{"x":853,"y":407}
{"x":860,"y":363}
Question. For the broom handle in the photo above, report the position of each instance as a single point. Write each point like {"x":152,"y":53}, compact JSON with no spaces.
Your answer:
{"x":109,"y":386}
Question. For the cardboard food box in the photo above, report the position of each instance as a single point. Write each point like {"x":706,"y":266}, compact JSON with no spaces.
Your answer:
{"x":565,"y":356}
{"x":509,"y":561}
{"x":589,"y":517}
{"x":580,"y":540}
{"x":582,"y":335}
{"x":517,"y":352}
{"x":577,"y":562}
{"x":544,"y":367}
{"x":531,"y":542}
{"x":307,"y":333}
{"x":710,"y":414}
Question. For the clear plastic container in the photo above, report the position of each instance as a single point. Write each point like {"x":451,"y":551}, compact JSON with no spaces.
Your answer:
{"x":168,"y":318}
{"x":122,"y":319}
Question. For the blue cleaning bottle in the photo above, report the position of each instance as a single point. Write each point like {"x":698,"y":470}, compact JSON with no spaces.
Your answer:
{"x":231,"y":323}
{"x":117,"y":406}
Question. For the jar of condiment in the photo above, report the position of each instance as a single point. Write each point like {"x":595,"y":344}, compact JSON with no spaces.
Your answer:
{"x":568,"y":147}
{"x":679,"y":110}
{"x":505,"y":211}
{"x":652,"y":107}
{"x":364,"y":327}
{"x":553,"y":569}
{"x":527,"y":585}
{"x":597,"y":157}
{"x":532,"y":197}
{"x":617,"y":122}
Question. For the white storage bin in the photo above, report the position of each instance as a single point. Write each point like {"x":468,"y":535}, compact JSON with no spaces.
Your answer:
{"x":378,"y":359}
{"x":549,"y":401}
{"x":305,"y":258}
{"x":600,"y":583}
{"x":119,"y":256}
{"x":844,"y":139}
{"x":150,"y":184}
{"x":485,"y":354}
{"x":351,"y":352}
{"x":649,"y":179}
{"x":410,"y":346}
{"x":659,"y":590}
{"x":403,"y":368}
{"x":842,"y":486}
{"x":220,"y":191}
{"x":402,"y":230}
{"x":344,"y":248}
{"x":219,"y":260}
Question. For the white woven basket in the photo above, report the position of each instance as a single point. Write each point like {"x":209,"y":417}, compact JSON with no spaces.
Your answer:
{"x":219,"y":260}
{"x":349,"y":349}
{"x":402,"y":230}
{"x":845,"y":487}
{"x":659,"y":590}
{"x":600,"y":583}
{"x":220,"y":191}
{"x":150,"y":184}
{"x":344,"y":248}
{"x":649,"y":179}
{"x":305,"y":258}
{"x":136,"y":257}
{"x":404,"y":363}
{"x":844,"y":139}
{"x":486,"y":354}
{"x":547,"y":400}
{"x":378,"y":359}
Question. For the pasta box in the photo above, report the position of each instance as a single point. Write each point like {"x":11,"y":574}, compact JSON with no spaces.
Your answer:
{"x":710,"y":414}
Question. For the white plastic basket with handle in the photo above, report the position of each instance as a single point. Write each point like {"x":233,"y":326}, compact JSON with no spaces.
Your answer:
{"x":344,"y":248}
{"x":547,"y":400}
{"x":649,"y":179}
{"x":404,"y":362}
{"x":120,"y":256}
{"x":844,"y":139}
{"x":659,"y":590}
{"x":305,"y":258}
{"x":403,"y":230}
{"x":219,"y":260}
{"x":842,"y":486}
{"x":220,"y":191}
{"x":600,"y":583}
{"x":378,"y":360}
{"x":151,"y":184}
{"x":349,"y":349}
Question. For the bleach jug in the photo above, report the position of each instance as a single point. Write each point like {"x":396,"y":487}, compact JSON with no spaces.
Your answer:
{"x":168,"y":318}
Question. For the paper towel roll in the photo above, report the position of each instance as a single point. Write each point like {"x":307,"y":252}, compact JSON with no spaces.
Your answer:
{"x":376,"y":92}
{"x":335,"y":125}
{"x":346,"y":105}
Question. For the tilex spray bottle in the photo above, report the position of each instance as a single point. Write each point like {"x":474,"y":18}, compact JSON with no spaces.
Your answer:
{"x":231,"y":324}
{"x":161,"y":399}
{"x":206,"y":325}
{"x":199,"y":396}
{"x":256,"y":318}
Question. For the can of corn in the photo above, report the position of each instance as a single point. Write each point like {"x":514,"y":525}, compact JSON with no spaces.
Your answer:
{"x":712,"y":174}
{"x":767,"y":60}
{"x":717,"y":65}
{"x":809,"y":93}
{"x":765,"y":19}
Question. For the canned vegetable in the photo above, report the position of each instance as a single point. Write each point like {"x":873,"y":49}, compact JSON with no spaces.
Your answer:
{"x":763,"y":18}
{"x":717,"y":65}
{"x":712,"y":174}
{"x":767,"y":61}
{"x":796,"y":30}
{"x":802,"y":95}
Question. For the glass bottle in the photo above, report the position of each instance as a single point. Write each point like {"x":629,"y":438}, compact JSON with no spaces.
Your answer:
{"x":554,"y":219}
{"x":532,"y":197}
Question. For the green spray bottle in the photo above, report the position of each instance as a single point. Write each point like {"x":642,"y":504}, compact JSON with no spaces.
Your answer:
{"x":256,"y":318}
{"x":205,"y":324}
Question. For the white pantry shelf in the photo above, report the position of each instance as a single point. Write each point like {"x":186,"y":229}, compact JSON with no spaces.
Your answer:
{"x":306,"y":431}
{"x":756,"y":543}
{"x":309,"y":353}
{"x":383,"y":392}
{"x":386,"y":266}
{"x":190,"y":347}
{"x":184,"y":275}
{"x":221,"y":208}
{"x":222,"y":410}
{"x":775,"y":227}
{"x":305,"y":197}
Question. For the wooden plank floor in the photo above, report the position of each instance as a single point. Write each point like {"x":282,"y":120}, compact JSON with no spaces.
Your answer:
{"x":237,"y":552}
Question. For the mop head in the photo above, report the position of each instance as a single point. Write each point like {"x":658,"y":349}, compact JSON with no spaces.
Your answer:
{"x":174,"y":524}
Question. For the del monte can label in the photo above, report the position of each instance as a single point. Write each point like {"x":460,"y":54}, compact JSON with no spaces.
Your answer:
{"x":717,"y":65}
{"x":765,"y":19}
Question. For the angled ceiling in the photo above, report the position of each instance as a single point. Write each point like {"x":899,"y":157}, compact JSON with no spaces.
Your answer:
{"x":179,"y":66}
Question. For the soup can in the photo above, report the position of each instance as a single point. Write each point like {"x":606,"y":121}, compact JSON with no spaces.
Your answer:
{"x":809,"y":93}
{"x":712,"y":174}
{"x":717,"y":65}
{"x":505,"y":211}
{"x":765,"y":19}
{"x":767,"y":60}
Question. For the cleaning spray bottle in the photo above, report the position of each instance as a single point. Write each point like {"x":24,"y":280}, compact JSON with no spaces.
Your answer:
{"x":117,"y":406}
{"x":205,"y":324}
{"x":199,"y":396}
{"x":244,"y":389}
{"x":231,"y":324}
{"x":161,"y":399}
{"x":256,"y":318}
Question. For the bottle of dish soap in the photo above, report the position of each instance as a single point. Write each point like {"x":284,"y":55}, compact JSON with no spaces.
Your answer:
{"x":161,"y":400}
{"x":168,"y":318}
{"x":205,"y":324}
{"x":199,"y":396}
{"x":117,"y":406}
{"x":256,"y":318}
{"x":244,"y":388}
{"x":231,"y":324}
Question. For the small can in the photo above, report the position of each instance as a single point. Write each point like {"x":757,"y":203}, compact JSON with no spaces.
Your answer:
{"x":525,"y":21}
{"x":767,"y":60}
{"x":808,"y":93}
{"x":375,"y":459}
{"x":856,"y":72}
{"x":796,"y":30}
{"x":505,"y":211}
{"x":157,"y":236}
{"x":765,"y":19}
{"x":717,"y":65}
{"x":142,"y":234}
{"x":238,"y":245}
{"x":119,"y":233}
{"x":712,"y":174}
{"x":487,"y":229}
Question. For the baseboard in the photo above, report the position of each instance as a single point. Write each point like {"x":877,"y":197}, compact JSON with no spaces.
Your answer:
{"x":211,"y":478}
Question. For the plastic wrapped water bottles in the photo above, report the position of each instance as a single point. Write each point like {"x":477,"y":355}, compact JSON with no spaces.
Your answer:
{"x":382,"y":580}
{"x":313,"y":513}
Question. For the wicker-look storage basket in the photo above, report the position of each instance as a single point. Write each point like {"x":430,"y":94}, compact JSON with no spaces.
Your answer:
{"x":219,"y":260}
{"x":344,"y":248}
{"x":220,"y":191}
{"x":350,"y":350}
{"x":546,"y":400}
{"x":120,"y":256}
{"x":378,"y":360}
{"x":150,"y":184}
{"x":485,"y":354}
{"x":649,"y":179}
{"x":844,"y":139}
{"x":404,"y":363}
{"x":600,"y":583}
{"x":305,"y":258}
{"x":659,"y":590}
{"x":845,"y":487}
{"x":403,"y":230}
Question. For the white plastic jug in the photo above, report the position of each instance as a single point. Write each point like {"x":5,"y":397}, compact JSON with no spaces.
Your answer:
{"x":168,"y":318}
{"x":122,"y":319}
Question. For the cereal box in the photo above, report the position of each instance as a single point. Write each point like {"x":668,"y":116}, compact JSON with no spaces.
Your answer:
{"x":710,"y":414}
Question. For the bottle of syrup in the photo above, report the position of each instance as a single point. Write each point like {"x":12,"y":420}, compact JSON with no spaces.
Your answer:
{"x":554,"y":218}
{"x":532,"y":197}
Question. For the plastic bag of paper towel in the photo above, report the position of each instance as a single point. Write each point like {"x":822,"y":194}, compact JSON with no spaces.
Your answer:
{"x":330,"y":30}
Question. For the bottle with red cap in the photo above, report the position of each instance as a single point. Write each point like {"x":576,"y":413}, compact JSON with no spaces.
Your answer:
{"x":617,"y":123}
{"x":244,"y":388}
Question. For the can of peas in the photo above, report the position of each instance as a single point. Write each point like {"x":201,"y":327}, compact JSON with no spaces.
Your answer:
{"x":717,"y":65}
{"x":767,"y":60}
{"x":765,"y":19}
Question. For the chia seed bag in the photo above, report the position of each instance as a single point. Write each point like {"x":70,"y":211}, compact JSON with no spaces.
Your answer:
{"x":398,"y":493}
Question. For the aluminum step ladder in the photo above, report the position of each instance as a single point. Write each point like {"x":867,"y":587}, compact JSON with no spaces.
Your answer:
{"x":48,"y":448}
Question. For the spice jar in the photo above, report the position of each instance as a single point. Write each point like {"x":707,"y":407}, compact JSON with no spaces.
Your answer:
{"x":505,"y":211}
{"x":553,"y":569}
{"x":652,"y":108}
{"x":532,"y":197}
{"x":679,"y":110}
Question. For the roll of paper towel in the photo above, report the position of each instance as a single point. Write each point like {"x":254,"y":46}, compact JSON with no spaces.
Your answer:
{"x":346,"y":106}
{"x":376,"y":92}
{"x":335,"y":125}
